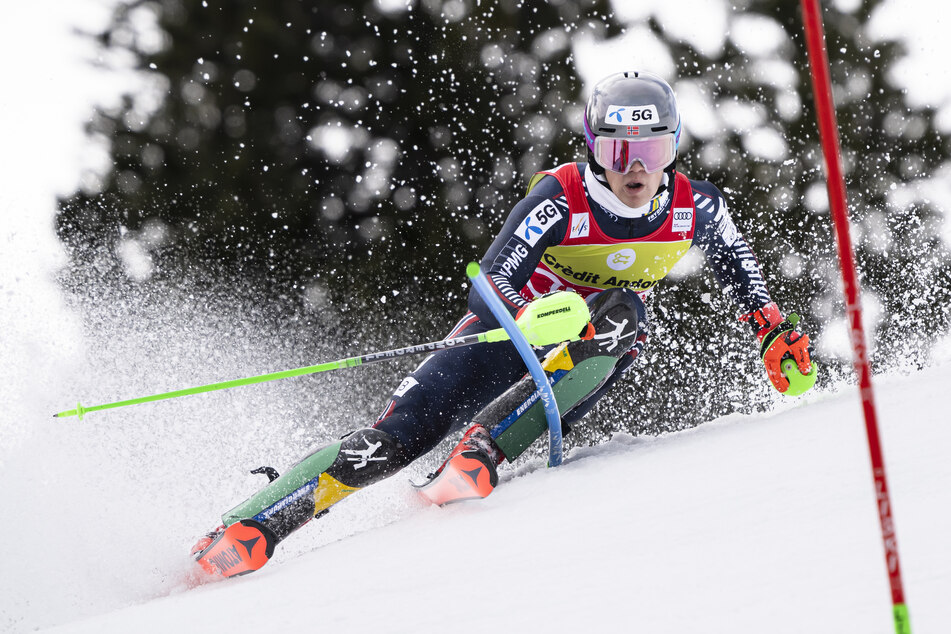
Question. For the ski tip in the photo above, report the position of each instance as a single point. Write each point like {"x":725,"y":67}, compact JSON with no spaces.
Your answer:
{"x":424,"y":483}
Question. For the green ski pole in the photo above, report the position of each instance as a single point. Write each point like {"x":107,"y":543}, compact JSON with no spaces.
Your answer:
{"x":491,"y":336}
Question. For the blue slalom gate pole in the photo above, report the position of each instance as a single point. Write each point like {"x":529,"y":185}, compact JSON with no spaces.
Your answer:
{"x":482,"y":286}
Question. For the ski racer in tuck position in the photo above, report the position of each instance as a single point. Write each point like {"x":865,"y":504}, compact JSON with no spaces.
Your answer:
{"x":607,"y":230}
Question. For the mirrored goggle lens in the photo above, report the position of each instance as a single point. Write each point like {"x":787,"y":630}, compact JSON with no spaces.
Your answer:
{"x":619,"y":155}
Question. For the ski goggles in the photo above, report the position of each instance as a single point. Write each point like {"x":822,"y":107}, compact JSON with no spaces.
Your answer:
{"x":619,"y":155}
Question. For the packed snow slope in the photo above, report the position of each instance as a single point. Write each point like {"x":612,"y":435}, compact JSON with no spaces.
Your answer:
{"x":743,"y":524}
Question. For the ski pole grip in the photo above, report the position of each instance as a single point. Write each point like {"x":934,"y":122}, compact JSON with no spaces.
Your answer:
{"x":481,"y":283}
{"x":553,"y":318}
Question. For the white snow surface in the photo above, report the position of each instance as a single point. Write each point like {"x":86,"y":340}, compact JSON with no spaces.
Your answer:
{"x":744,"y":524}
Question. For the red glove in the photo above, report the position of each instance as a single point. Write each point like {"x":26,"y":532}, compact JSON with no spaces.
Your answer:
{"x":764,"y":319}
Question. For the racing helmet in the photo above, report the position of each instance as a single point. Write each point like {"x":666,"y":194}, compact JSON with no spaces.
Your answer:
{"x":632,"y":116}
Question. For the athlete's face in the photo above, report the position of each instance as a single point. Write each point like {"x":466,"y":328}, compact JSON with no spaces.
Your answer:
{"x":637,"y":187}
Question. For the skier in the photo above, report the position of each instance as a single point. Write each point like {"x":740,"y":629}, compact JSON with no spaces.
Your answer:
{"x":609,"y":230}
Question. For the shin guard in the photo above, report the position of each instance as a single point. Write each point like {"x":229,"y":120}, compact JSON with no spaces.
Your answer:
{"x":321,"y":480}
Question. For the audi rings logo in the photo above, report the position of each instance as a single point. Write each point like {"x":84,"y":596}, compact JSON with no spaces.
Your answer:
{"x":683,"y":219}
{"x":621,"y":260}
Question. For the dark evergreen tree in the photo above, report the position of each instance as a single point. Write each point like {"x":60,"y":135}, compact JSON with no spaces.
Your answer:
{"x":328,"y":139}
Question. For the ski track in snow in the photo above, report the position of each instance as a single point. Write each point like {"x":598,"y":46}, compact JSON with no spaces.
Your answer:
{"x":744,"y":524}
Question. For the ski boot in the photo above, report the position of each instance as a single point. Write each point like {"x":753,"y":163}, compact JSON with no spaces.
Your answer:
{"x":236,"y":550}
{"x":246,"y":539}
{"x":468,"y":473}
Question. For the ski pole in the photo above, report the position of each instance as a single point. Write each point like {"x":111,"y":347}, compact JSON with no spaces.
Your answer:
{"x":517,"y":337}
{"x":491,"y":336}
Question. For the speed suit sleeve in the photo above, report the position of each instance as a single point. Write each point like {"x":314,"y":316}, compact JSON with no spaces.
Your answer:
{"x":728,"y":254}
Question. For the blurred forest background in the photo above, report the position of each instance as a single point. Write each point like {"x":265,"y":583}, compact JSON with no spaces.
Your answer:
{"x":337,"y":164}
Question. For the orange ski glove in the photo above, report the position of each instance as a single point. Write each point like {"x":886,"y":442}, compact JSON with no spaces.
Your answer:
{"x":784,"y":351}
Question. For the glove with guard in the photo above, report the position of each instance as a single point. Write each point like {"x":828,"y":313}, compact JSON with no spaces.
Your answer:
{"x":784,"y":351}
{"x":555,"y":317}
